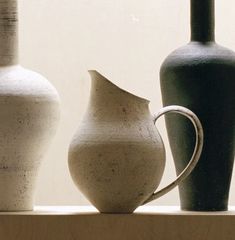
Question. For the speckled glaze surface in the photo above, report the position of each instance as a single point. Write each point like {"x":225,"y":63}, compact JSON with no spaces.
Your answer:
{"x":29,"y":114}
{"x":117,"y":157}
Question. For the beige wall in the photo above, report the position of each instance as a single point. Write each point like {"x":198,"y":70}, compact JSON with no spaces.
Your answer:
{"x":126,"y":40}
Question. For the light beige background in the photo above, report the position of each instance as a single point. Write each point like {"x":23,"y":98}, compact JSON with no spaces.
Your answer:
{"x":124,"y":39}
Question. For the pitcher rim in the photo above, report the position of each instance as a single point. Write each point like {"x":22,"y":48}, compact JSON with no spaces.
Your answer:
{"x":121,"y":89}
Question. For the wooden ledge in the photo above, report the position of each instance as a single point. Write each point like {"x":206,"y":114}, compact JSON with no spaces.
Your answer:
{"x":143,"y":210}
{"x":147,"y":223}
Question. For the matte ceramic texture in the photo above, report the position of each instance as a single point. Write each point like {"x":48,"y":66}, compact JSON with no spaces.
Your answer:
{"x":201,"y":76}
{"x":117,"y":157}
{"x":29,"y":114}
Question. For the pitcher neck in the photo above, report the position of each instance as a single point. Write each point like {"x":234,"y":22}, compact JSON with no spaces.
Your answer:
{"x":8,"y":32}
{"x":203,"y":20}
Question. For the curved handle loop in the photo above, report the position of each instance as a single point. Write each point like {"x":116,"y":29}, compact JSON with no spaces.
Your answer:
{"x":197,"y":150}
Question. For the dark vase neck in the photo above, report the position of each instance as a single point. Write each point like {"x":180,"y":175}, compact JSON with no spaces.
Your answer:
{"x":202,"y":20}
{"x":8,"y":32}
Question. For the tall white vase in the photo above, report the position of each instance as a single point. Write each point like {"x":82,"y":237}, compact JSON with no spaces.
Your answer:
{"x":29,"y":113}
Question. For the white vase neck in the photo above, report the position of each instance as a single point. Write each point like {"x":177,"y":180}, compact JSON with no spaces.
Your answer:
{"x":8,"y":32}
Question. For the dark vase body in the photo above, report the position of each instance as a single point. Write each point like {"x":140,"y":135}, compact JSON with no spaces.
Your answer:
{"x":201,"y":77}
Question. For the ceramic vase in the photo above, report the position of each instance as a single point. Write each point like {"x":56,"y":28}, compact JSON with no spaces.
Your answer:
{"x":117,"y":157}
{"x":29,"y":113}
{"x":201,"y":76}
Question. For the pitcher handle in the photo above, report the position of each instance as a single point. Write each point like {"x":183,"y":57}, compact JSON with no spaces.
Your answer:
{"x":197,"y":150}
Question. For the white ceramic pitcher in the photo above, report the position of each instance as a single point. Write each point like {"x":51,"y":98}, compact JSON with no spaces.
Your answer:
{"x":117,"y":157}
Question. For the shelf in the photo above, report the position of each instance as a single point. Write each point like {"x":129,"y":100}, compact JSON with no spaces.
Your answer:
{"x":147,"y":223}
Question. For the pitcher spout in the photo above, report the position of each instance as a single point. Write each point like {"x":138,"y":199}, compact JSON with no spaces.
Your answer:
{"x":101,"y":87}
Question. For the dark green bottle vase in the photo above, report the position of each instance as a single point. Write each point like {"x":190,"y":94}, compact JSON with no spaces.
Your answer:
{"x":201,"y":77}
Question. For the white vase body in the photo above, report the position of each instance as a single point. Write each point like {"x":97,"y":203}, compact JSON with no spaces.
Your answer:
{"x":117,"y":157}
{"x":29,"y":114}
